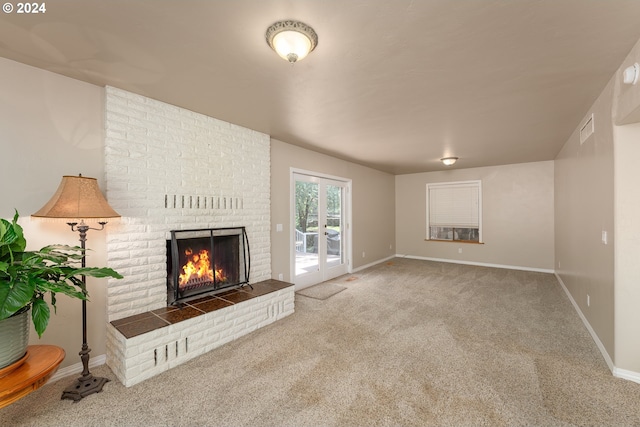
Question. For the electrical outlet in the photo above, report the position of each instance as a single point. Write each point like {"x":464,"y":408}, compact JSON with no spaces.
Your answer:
{"x":459,"y":250}
{"x":390,"y":246}
{"x":588,"y":301}
{"x":363,"y":255}
{"x":604,"y":237}
{"x":280,"y":276}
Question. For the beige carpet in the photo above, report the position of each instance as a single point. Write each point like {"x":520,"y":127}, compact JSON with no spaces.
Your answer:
{"x":412,"y":343}
{"x":321,"y":291}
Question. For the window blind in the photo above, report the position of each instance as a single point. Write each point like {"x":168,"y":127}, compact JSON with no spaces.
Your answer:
{"x":454,"y":205}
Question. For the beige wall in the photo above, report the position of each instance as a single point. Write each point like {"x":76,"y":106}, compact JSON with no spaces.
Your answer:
{"x":627,"y":248}
{"x":584,"y":210}
{"x":596,"y":191}
{"x":52,"y":126}
{"x":373,"y":209}
{"x":517,"y":216}
{"x":627,"y":219}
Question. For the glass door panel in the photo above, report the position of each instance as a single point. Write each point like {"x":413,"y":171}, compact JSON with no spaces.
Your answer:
{"x":334,"y":228}
{"x":306,"y":226}
{"x":320,"y":232}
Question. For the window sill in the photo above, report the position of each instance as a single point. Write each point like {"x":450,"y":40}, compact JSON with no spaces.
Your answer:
{"x":455,"y":241}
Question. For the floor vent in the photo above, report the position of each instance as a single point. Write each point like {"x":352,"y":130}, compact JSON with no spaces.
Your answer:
{"x":586,"y":130}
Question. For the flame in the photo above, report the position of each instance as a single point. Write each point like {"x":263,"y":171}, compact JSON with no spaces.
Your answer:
{"x":220,"y":276}
{"x":198,"y":267}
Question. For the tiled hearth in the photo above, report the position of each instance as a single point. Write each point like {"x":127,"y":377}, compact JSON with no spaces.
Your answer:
{"x":150,"y":321}
{"x":146,"y":344}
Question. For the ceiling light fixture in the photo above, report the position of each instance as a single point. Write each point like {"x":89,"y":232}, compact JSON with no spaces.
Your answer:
{"x":448,"y":161}
{"x":292,"y":40}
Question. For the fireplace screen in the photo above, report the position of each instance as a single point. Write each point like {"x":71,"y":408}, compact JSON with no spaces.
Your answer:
{"x":205,"y":261}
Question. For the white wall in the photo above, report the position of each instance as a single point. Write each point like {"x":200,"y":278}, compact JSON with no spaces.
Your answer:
{"x":52,"y":126}
{"x":517,"y":216}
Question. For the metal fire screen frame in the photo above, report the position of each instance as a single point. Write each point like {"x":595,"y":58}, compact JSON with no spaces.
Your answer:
{"x":174,"y":295}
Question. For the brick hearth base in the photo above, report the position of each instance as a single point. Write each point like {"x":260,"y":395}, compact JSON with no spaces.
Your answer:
{"x":144,"y":345}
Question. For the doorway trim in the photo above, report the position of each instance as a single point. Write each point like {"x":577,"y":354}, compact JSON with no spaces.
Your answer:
{"x":292,"y":219}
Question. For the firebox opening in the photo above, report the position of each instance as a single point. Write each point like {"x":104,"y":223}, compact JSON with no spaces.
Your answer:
{"x":205,"y":262}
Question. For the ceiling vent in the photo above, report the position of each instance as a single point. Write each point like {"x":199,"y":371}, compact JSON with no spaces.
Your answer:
{"x":586,"y":130}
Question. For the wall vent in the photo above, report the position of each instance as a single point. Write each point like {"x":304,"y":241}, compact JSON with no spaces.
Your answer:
{"x":587,"y":129}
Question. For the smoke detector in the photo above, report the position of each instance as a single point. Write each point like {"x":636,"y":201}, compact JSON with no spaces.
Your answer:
{"x":630,"y":74}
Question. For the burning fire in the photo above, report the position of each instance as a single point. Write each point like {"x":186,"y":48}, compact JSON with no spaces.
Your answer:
{"x":198,"y":269}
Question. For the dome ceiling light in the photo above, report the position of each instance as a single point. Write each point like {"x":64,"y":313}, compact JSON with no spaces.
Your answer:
{"x":292,"y":40}
{"x":448,"y":161}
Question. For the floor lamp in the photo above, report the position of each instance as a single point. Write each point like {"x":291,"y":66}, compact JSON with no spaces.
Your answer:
{"x":79,"y":198}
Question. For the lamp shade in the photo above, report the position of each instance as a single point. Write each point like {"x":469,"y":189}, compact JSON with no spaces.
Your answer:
{"x":77,"y":197}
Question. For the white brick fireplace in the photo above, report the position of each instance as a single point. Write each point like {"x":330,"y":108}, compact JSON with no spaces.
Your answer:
{"x":168,"y":168}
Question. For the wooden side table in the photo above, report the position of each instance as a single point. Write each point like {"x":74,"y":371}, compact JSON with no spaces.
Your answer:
{"x":40,"y":363}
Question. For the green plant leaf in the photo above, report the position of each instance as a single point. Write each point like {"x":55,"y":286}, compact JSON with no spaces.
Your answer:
{"x":98,"y":272}
{"x":4,"y":224}
{"x":14,"y":297}
{"x":9,"y":235}
{"x":27,"y":276}
{"x":61,"y":288}
{"x":40,"y":315}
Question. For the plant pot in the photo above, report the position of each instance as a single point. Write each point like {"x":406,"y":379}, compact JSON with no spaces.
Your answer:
{"x":14,"y":336}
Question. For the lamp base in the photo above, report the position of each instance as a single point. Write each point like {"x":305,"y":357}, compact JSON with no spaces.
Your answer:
{"x":83,"y":387}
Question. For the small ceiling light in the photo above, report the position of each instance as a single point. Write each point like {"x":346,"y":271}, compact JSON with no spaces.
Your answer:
{"x":448,"y":161}
{"x":630,"y":74}
{"x":292,"y":40}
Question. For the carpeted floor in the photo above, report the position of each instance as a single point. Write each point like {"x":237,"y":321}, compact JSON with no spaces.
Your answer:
{"x":409,"y":342}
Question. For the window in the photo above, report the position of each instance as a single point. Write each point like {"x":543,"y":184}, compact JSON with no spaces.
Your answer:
{"x":454,"y":211}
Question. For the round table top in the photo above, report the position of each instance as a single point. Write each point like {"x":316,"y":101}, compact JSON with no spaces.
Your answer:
{"x":40,"y":363}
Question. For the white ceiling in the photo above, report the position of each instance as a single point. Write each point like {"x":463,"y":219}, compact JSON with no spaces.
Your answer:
{"x":394,"y":85}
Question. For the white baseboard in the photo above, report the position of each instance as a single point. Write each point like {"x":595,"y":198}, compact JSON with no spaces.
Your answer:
{"x":480,"y":264}
{"x":362,"y":267}
{"x":77,"y":368}
{"x":604,"y":352}
{"x":617,"y":372}
{"x":627,"y":375}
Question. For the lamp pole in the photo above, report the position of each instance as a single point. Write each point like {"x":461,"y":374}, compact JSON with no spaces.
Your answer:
{"x":80,"y":197}
{"x":86,"y":384}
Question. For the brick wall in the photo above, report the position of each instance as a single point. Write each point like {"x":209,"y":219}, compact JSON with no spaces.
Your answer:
{"x":168,"y":168}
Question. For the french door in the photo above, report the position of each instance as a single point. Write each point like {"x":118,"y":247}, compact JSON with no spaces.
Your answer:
{"x":320,"y":228}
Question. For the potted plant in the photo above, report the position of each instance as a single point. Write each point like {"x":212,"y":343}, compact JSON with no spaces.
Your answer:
{"x":26,"y":277}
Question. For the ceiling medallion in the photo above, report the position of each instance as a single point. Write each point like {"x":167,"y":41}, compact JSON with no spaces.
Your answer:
{"x":292,"y":40}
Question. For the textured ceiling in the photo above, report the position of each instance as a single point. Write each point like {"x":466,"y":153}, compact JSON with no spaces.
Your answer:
{"x":394,"y":85}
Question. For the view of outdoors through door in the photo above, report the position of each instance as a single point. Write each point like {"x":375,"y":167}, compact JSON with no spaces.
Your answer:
{"x":319,"y":229}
